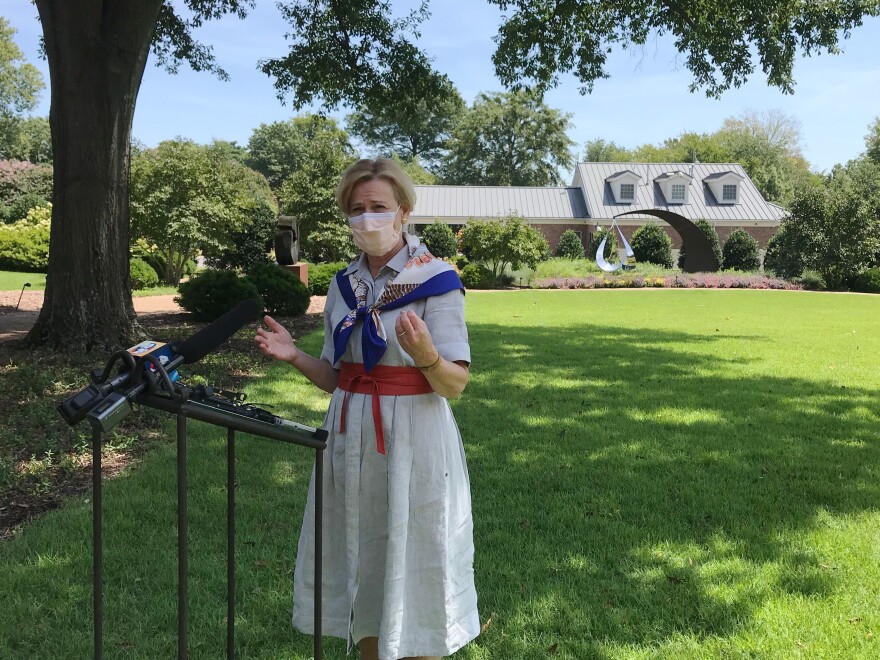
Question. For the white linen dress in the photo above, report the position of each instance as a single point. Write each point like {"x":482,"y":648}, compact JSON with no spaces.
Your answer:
{"x":398,"y":532}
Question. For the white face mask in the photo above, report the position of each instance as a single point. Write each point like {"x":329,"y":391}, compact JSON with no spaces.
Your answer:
{"x":374,"y":233}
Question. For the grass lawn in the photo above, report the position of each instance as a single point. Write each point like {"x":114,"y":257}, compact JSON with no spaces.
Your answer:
{"x":10,"y":281}
{"x":656,"y":474}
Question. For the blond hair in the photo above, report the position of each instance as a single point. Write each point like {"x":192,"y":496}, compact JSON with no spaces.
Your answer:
{"x":368,"y":169}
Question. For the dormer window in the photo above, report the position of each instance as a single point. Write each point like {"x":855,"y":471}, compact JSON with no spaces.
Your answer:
{"x":674,"y":186}
{"x":725,"y":186}
{"x":623,"y":186}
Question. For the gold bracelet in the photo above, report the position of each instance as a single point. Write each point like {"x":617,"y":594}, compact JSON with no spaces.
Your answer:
{"x":432,"y":365}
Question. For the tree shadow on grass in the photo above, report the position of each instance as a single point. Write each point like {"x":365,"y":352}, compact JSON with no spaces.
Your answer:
{"x":630,"y":491}
{"x":649,"y":490}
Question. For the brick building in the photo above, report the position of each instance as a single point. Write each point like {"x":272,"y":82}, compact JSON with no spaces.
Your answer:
{"x":721,"y":193}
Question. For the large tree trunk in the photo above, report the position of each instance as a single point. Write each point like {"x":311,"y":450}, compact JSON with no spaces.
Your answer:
{"x":97,"y":50}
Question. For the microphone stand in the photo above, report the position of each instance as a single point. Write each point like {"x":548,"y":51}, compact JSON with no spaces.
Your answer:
{"x":226,"y":413}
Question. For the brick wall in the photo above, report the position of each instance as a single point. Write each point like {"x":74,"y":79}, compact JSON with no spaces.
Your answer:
{"x":553,"y":232}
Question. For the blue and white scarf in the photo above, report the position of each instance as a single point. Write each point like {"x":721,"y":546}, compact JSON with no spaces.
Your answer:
{"x":423,"y":276}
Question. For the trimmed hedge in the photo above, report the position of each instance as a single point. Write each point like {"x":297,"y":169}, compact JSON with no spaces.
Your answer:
{"x":211,"y":293}
{"x":476,"y":276}
{"x":142,"y":274}
{"x":321,"y":274}
{"x":282,"y":292}
{"x":24,"y":248}
{"x":868,"y":281}
{"x":570,"y":246}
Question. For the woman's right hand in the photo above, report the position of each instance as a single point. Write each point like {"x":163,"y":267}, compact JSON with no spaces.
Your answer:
{"x":276,"y":342}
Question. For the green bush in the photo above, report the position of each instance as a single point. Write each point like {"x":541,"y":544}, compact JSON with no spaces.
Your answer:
{"x":18,"y":208}
{"x":706,"y":227}
{"x":476,"y":276}
{"x":740,"y":252}
{"x":868,"y":281}
{"x":24,"y":248}
{"x":143,"y":276}
{"x":212,"y":293}
{"x":461,"y":261}
{"x":570,"y":246}
{"x":652,"y":245}
{"x":282,"y":292}
{"x":440,"y":240}
{"x":811,"y":281}
{"x":320,"y":276}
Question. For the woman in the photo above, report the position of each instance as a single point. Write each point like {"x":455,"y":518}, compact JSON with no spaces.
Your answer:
{"x":398,"y":534}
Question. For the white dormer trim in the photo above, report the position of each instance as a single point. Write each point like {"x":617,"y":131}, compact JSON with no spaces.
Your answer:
{"x":675,"y":186}
{"x":725,"y":182}
{"x":624,"y":186}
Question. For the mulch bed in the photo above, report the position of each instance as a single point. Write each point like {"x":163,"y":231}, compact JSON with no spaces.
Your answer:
{"x":17,"y":506}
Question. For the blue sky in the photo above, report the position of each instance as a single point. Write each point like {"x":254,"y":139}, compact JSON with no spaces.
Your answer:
{"x":646,"y":100}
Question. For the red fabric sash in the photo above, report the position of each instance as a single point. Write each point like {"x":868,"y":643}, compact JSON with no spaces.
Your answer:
{"x":380,"y":381}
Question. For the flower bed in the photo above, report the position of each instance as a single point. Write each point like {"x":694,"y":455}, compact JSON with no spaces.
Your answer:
{"x":678,"y":281}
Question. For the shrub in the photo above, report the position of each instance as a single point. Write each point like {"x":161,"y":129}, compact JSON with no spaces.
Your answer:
{"x":477,"y":276}
{"x":652,"y":245}
{"x":505,"y":243}
{"x":706,"y":227}
{"x":440,"y":240}
{"x":143,"y":276}
{"x":610,"y":246}
{"x":461,"y":261}
{"x":320,"y":276}
{"x":282,"y":292}
{"x":811,"y":281}
{"x":19,"y":207}
{"x":785,"y":254}
{"x":212,"y":293}
{"x":741,"y":252}
{"x":570,"y":246}
{"x":24,"y":248}
{"x":868,"y":281}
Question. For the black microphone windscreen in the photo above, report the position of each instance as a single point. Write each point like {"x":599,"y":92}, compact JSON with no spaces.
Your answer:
{"x":209,"y":338}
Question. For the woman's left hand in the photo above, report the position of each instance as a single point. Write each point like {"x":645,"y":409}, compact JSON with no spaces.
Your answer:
{"x":415,"y":339}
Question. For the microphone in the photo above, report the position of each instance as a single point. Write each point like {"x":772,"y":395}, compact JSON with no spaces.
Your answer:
{"x":209,"y":338}
{"x":116,"y":405}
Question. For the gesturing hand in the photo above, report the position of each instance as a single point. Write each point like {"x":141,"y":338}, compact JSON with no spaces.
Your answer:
{"x":276,"y":341}
{"x":415,"y":339}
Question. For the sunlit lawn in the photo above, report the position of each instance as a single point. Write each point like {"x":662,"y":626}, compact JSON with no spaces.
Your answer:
{"x":11,"y":281}
{"x":656,"y":474}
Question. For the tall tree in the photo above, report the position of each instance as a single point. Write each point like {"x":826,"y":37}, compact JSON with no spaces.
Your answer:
{"x":303,"y":159}
{"x":509,"y":139}
{"x":20,"y":86}
{"x":604,"y":151}
{"x":187,"y":198}
{"x":872,"y":141}
{"x":719,"y":40}
{"x":410,"y":126}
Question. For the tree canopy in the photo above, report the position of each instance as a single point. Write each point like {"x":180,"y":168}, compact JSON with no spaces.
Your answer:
{"x":187,"y":197}
{"x":508,"y":139}
{"x":410,"y":126}
{"x":720,"y":41}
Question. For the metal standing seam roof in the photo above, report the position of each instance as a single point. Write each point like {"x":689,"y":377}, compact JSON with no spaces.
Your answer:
{"x":498,"y":201}
{"x":648,"y":195}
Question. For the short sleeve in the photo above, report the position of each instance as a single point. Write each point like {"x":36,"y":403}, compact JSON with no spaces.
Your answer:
{"x":444,"y":316}
{"x":329,"y":350}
